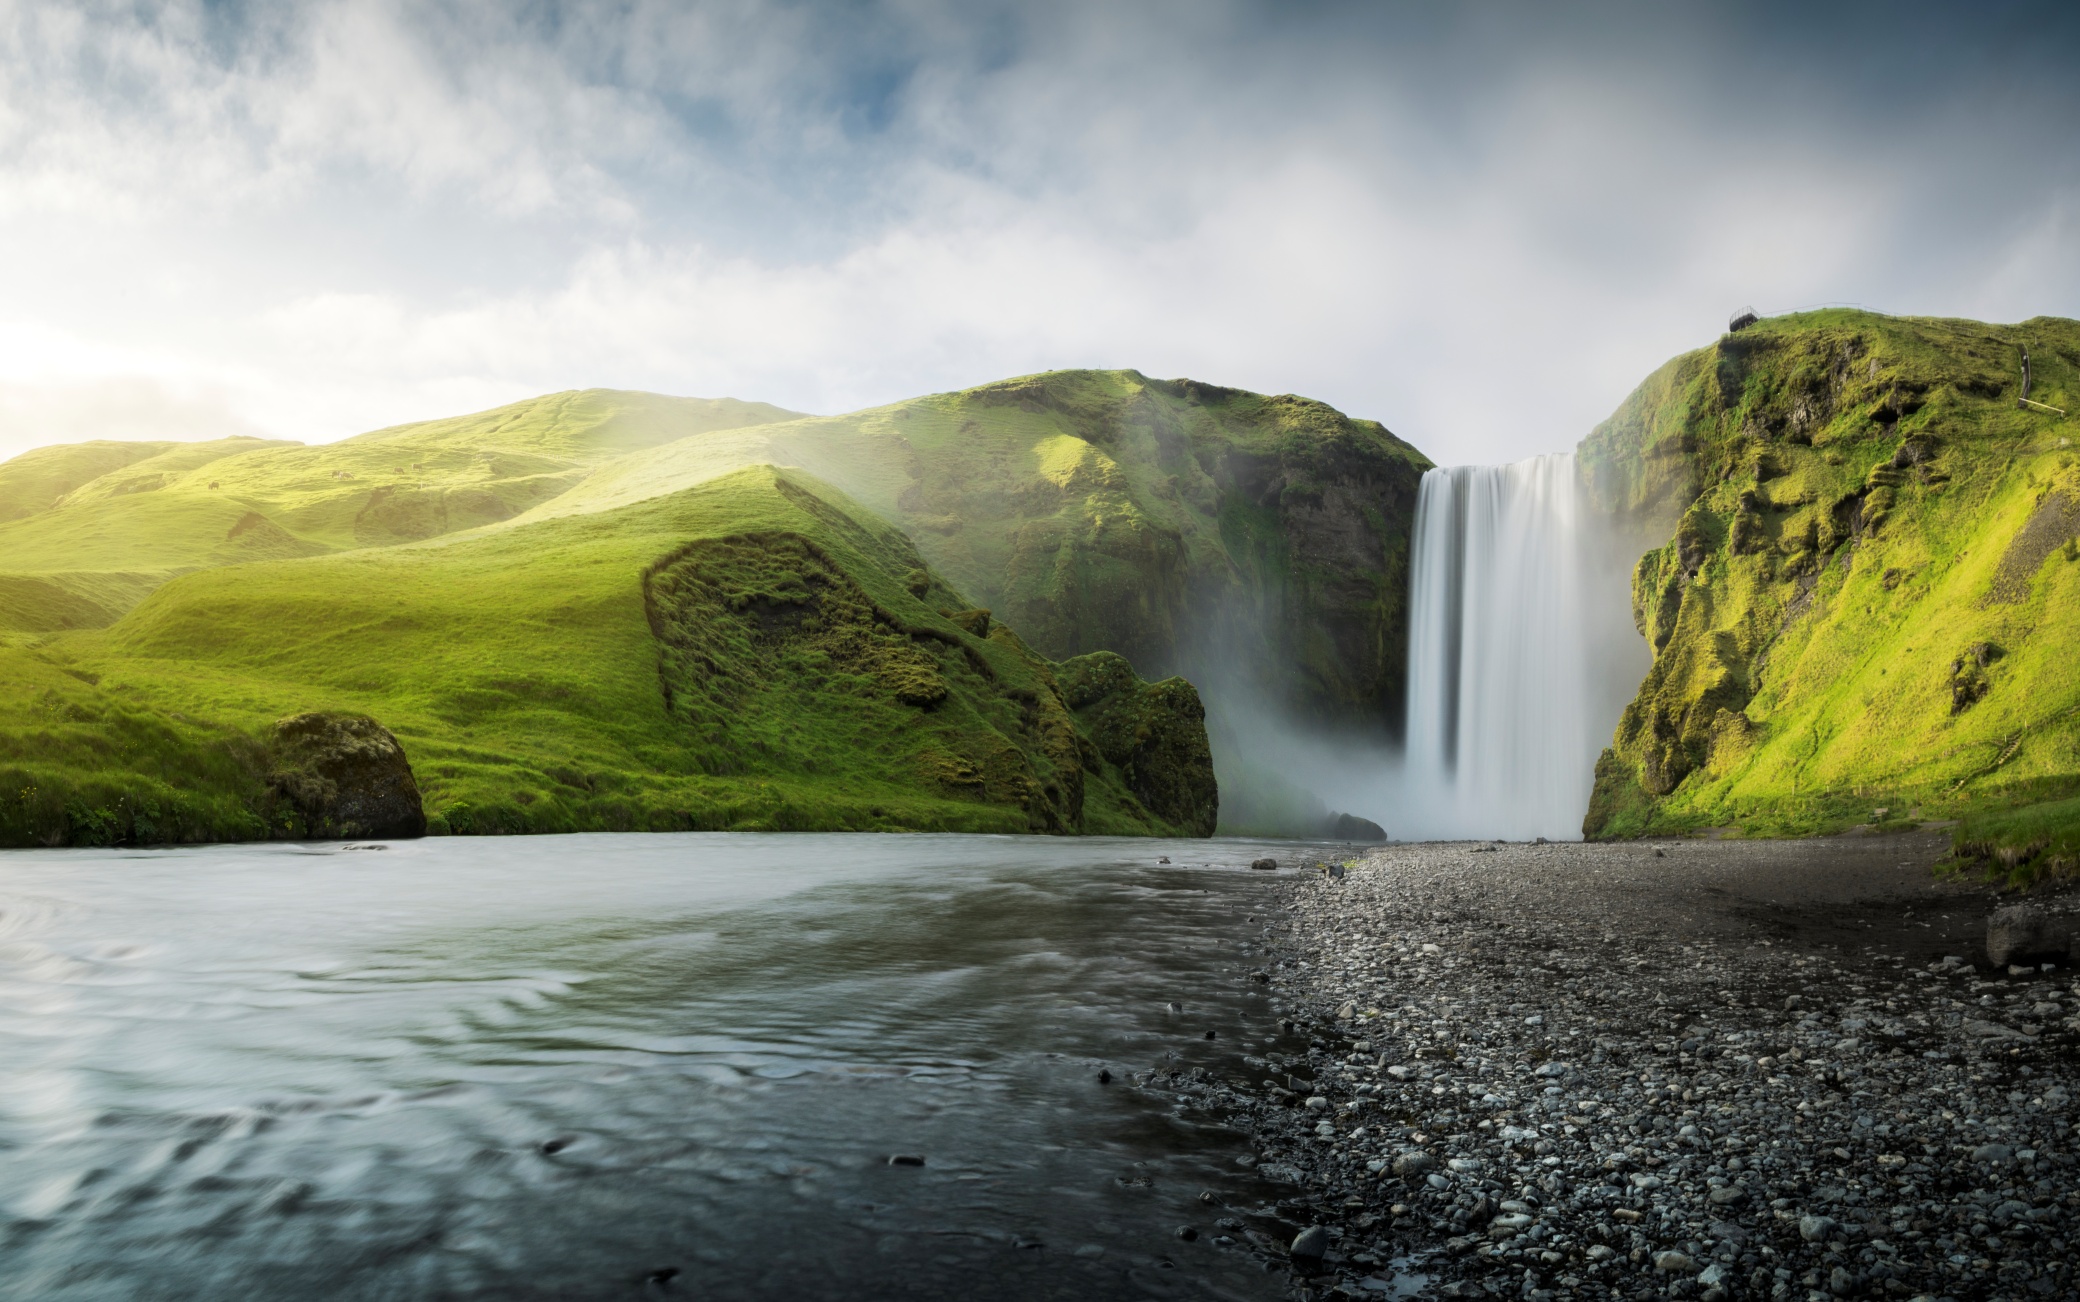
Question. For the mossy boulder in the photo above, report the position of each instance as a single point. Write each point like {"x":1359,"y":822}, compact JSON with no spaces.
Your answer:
{"x":344,"y":776}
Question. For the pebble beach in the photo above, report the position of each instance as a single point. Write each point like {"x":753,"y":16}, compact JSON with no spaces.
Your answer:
{"x":1692,"y":1069}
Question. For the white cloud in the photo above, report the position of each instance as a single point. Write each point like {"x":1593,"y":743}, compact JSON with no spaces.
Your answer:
{"x":323,"y":219}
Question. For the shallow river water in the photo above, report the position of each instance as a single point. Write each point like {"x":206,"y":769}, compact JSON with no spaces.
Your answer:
{"x":597,"y":1066}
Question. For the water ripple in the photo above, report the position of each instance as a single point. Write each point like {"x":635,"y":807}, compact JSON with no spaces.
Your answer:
{"x":557,"y":1066}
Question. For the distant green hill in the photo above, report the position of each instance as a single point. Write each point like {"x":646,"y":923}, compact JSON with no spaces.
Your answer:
{"x":1863,"y":583}
{"x":73,"y":514}
{"x":754,"y":651}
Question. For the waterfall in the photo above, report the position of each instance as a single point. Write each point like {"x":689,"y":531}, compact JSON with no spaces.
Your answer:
{"x":1521,"y":654}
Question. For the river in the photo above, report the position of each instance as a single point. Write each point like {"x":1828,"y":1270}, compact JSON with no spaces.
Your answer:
{"x":623,"y":1066}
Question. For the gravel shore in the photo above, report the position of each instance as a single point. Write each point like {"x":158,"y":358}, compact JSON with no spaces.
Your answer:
{"x":1678,"y":1069}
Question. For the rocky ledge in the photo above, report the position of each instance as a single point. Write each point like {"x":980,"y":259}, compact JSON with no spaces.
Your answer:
{"x":1707,"y":1070}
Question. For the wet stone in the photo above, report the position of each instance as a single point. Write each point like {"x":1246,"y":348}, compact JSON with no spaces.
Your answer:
{"x":1311,"y":1244}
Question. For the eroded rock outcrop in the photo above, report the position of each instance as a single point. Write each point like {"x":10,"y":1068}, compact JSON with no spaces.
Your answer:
{"x":1154,"y":732}
{"x":842,"y":655}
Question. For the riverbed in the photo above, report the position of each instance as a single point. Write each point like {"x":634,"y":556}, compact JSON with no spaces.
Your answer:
{"x":1707,"y":1069}
{"x":715,"y":1066}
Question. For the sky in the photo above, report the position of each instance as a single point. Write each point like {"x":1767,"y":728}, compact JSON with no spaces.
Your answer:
{"x":1480,"y":223}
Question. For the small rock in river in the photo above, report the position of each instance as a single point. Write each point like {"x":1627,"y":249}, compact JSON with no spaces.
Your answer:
{"x":906,"y":1159}
{"x":558,"y":1144}
{"x":1213,"y":1035}
{"x":1311,"y":1244}
{"x":1264,"y":865}
{"x":1104,"y":1077}
{"x":1187,"y":1233}
{"x":1164,"y":859}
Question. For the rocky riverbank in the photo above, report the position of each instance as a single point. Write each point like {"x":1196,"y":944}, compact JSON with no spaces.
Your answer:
{"x":1708,"y":1070}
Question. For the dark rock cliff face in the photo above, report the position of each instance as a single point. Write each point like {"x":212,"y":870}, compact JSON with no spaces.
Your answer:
{"x":1257,"y":545}
{"x":1323,"y":528}
{"x":345,"y":777}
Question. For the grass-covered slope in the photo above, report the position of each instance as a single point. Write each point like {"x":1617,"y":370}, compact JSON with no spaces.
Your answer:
{"x":752,"y":652}
{"x":87,"y":529}
{"x":1257,"y":543}
{"x":1864,"y":597}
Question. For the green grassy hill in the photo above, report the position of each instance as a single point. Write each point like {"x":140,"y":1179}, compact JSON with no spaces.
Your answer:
{"x":755,"y":651}
{"x":86,"y":530}
{"x":1256,"y":544}
{"x":1863,"y":591}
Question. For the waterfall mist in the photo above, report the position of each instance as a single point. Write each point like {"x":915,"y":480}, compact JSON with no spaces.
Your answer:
{"x":1522,"y":654}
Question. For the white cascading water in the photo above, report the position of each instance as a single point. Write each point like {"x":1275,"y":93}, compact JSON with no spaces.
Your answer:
{"x":1521,"y":655}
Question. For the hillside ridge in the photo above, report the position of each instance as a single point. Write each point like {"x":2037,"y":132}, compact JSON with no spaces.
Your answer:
{"x":562,"y":676}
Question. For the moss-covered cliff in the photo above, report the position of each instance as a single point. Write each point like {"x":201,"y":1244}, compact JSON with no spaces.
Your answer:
{"x":1860,"y":582}
{"x":1188,"y":527}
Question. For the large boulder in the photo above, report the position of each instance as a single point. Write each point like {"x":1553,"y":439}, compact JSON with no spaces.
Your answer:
{"x":2023,"y":932}
{"x":345,"y":777}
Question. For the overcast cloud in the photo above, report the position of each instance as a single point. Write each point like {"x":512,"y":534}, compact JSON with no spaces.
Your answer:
{"x":1482,"y":224}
